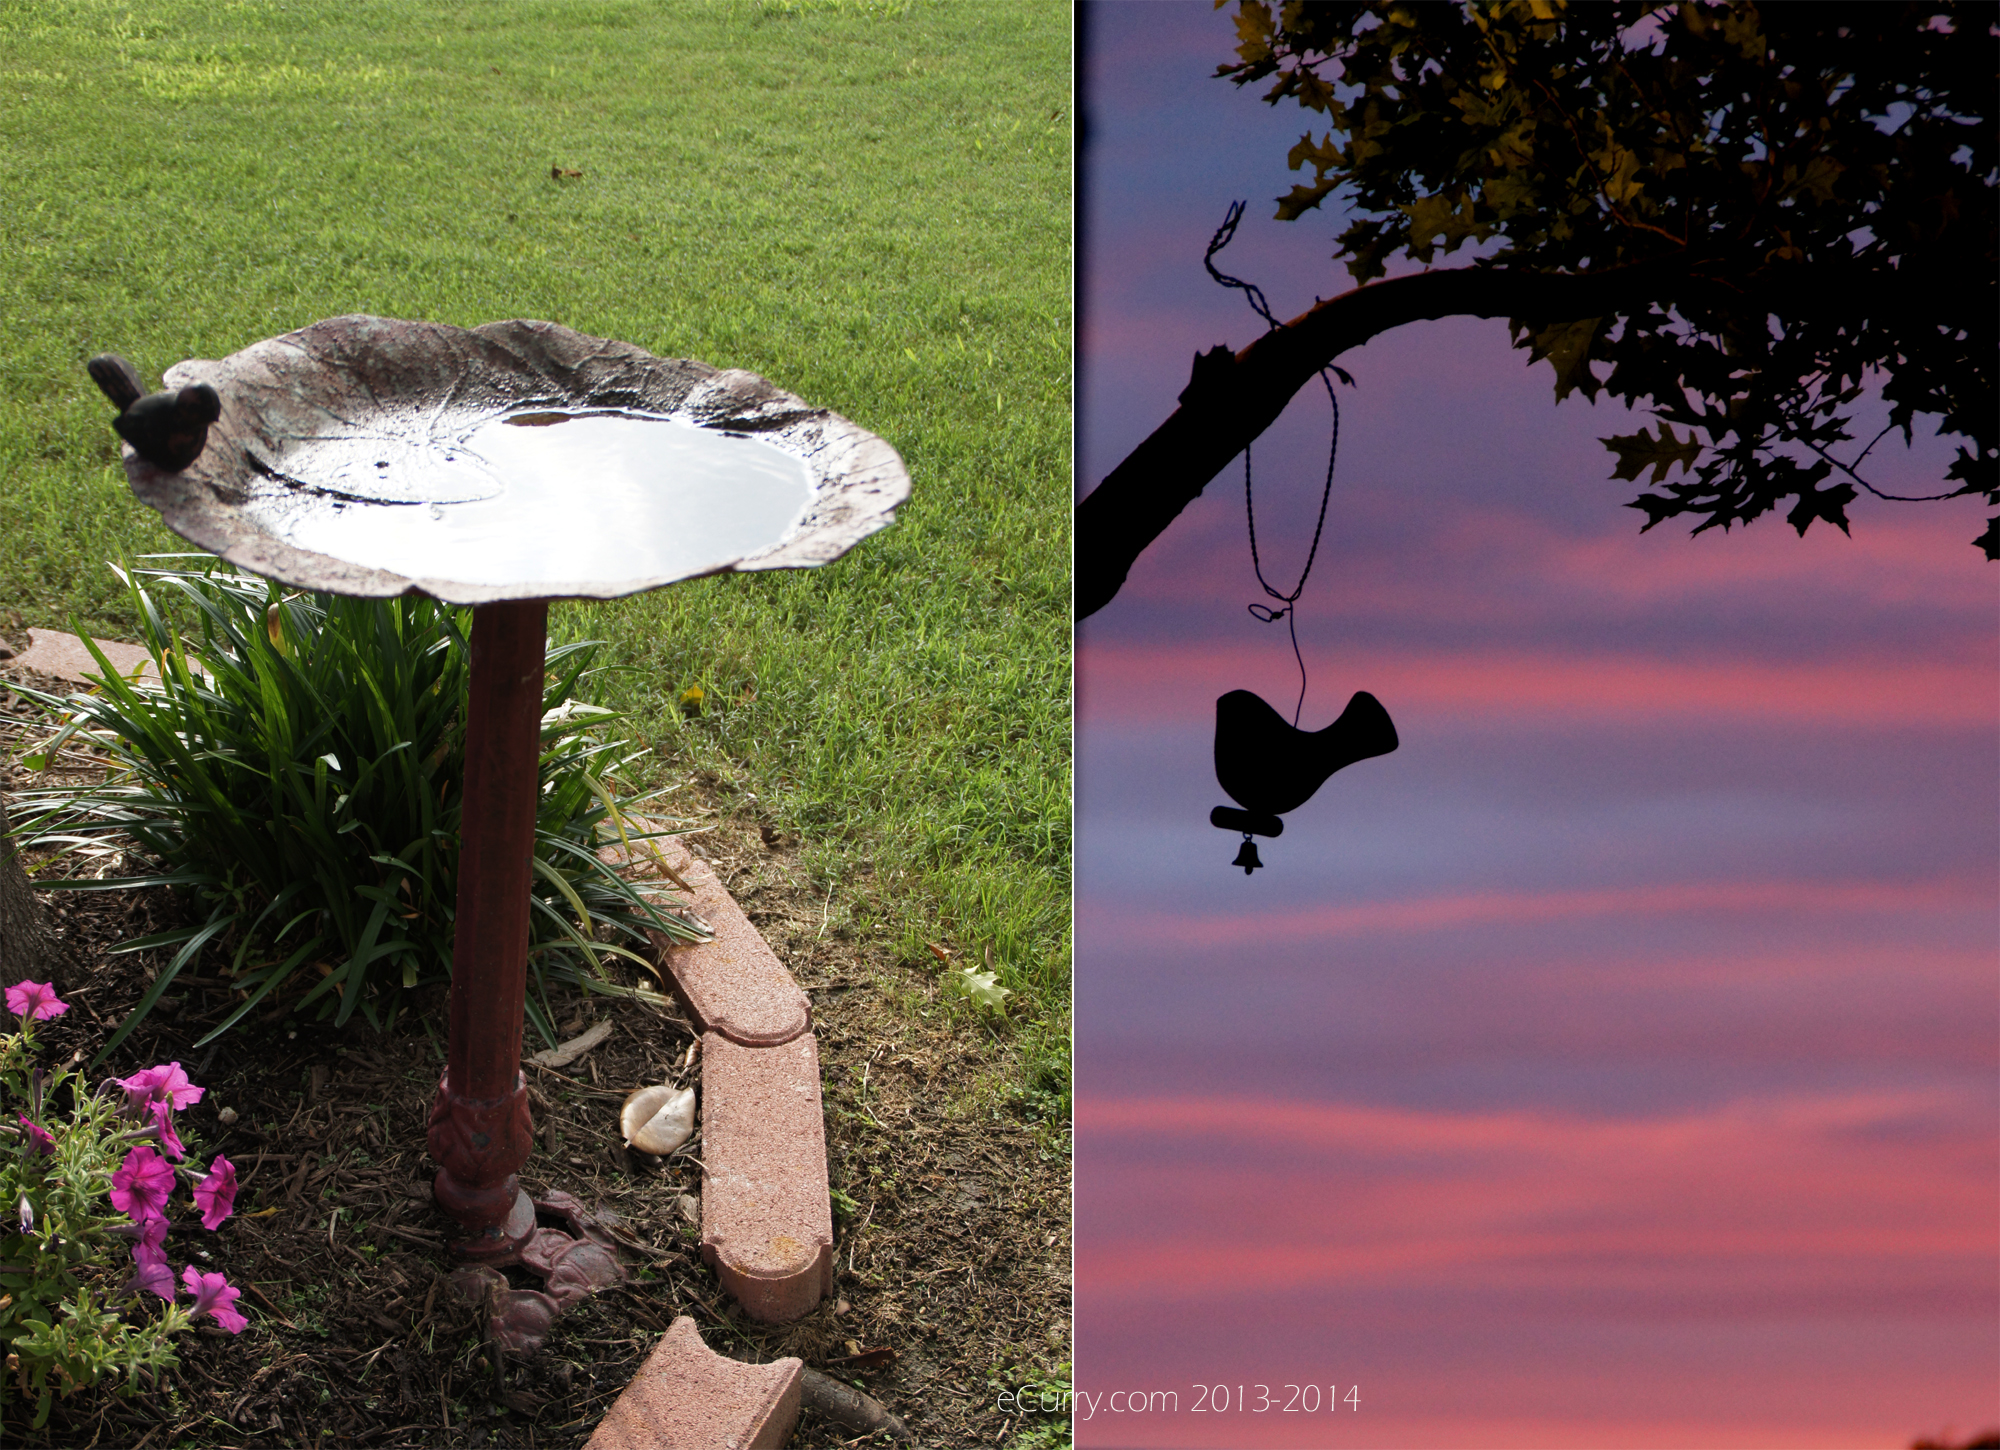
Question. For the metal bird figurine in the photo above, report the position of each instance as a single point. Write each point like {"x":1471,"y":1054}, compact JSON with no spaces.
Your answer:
{"x":168,"y":430}
{"x":1269,"y":766}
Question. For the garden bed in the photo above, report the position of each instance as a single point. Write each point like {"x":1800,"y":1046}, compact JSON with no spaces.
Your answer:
{"x":952,"y":1222}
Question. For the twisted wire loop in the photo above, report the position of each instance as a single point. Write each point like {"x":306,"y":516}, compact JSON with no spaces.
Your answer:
{"x":1223,"y":235}
{"x":1264,"y":612}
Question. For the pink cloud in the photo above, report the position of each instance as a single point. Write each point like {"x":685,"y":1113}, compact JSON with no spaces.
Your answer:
{"x":1179,"y":682}
{"x":1495,"y":908}
{"x":1489,"y":559}
{"x":1891,"y":558}
{"x":1759,"y":1196}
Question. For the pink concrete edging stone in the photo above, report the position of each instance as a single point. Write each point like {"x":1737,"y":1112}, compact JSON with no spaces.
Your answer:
{"x":688,"y":1397}
{"x":766,"y":1219}
{"x":54,"y":653}
{"x":734,"y":985}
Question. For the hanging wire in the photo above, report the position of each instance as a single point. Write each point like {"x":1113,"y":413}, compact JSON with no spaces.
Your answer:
{"x":1289,"y":613}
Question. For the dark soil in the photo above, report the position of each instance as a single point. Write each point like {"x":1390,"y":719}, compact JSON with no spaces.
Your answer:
{"x":951,"y":1199}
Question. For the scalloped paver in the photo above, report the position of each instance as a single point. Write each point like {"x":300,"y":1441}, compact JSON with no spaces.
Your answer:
{"x":766,"y":1219}
{"x":688,"y":1397}
{"x":734,"y":985}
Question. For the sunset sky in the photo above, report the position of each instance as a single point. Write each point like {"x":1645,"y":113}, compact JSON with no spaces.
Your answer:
{"x":1614,"y":1065}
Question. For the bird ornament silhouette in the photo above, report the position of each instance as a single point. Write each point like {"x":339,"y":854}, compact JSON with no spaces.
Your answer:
{"x":1268,"y":766}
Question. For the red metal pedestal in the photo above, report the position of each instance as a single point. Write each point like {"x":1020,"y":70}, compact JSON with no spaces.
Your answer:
{"x":479,"y":1128}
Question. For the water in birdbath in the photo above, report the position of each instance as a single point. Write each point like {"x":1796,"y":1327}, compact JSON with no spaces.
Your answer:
{"x":527,"y":497}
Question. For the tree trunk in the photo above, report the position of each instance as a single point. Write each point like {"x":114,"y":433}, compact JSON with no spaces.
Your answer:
{"x":29,"y":949}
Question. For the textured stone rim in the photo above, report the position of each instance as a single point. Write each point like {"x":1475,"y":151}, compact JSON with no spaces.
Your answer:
{"x":380,"y":372}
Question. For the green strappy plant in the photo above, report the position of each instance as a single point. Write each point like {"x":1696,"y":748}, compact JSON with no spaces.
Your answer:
{"x":298,"y":769}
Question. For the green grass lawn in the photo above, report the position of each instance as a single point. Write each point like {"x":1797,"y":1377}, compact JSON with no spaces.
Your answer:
{"x":868,"y":203}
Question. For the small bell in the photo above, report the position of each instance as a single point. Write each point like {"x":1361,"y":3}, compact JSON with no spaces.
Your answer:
{"x":1246,"y":856}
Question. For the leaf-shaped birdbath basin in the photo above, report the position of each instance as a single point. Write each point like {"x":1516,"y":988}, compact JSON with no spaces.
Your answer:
{"x":500,"y":467}
{"x":517,"y":460}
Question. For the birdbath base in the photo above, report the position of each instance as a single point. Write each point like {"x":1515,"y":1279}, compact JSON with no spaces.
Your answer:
{"x":501,"y":1241}
{"x":501,"y":1244}
{"x":572,"y":1268}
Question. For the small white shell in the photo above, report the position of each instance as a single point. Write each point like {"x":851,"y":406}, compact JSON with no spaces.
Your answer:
{"x":658,"y":1119}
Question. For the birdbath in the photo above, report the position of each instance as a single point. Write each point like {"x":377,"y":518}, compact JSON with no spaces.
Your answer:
{"x":498,"y":467}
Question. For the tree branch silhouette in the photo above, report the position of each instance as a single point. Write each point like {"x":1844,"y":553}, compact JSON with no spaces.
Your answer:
{"x":1231,"y":399}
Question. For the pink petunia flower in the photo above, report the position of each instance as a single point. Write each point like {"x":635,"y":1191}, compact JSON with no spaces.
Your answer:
{"x":149,"y":1256}
{"x":162,"y":1114}
{"x":150,"y":1240}
{"x":140,"y":1187}
{"x":35,"y":1001}
{"x":166,"y":1083}
{"x":43,"y":1143}
{"x":213,"y":1295}
{"x":141,"y":1089}
{"x":154,"y":1275}
{"x":215,"y":1195}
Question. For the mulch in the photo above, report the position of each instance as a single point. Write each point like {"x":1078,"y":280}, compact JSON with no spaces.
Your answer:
{"x":952,"y":1199}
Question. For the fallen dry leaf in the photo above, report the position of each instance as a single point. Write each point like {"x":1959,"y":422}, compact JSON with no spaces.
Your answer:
{"x":563,"y":1054}
{"x":880,"y":1357}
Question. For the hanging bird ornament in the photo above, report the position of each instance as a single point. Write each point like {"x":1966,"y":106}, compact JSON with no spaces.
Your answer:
{"x":1263,"y":762}
{"x":1268,"y":766}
